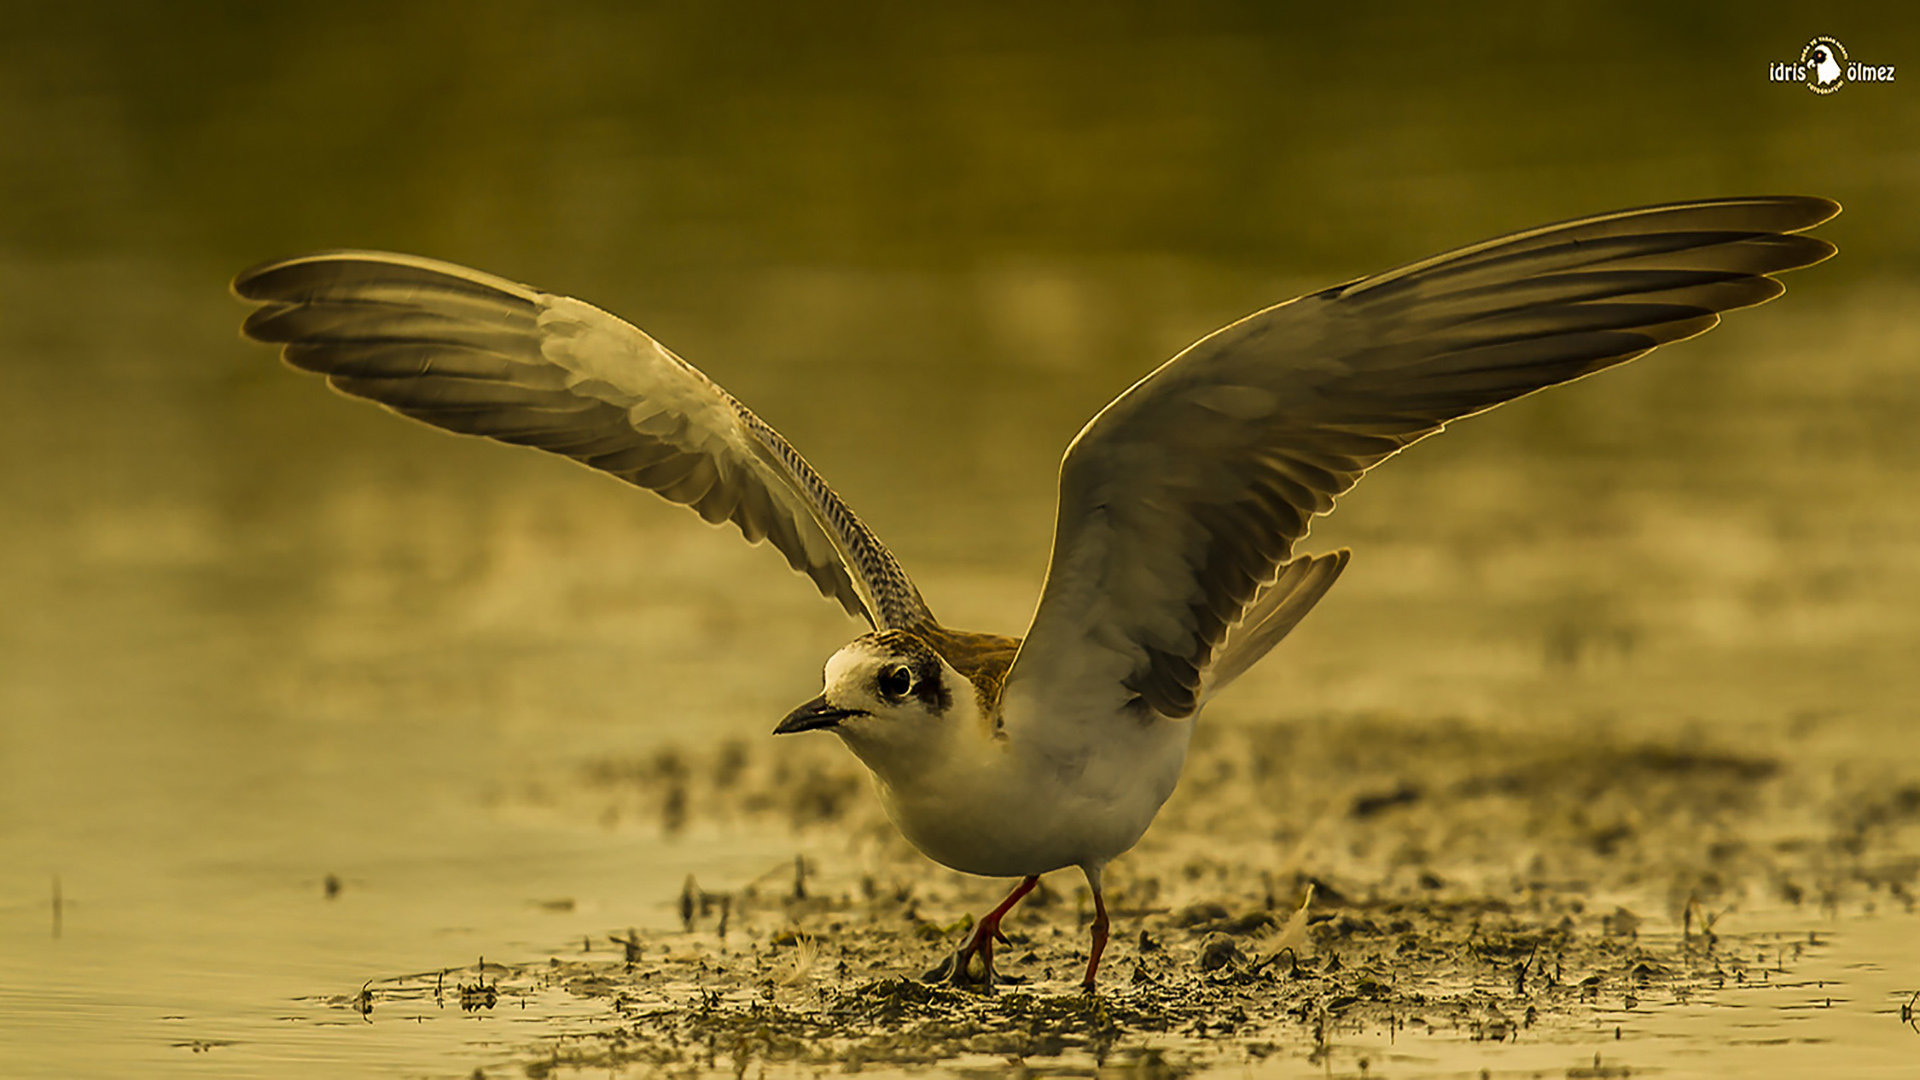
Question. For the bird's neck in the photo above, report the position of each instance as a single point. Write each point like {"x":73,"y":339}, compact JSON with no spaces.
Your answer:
{"x":908,"y":753}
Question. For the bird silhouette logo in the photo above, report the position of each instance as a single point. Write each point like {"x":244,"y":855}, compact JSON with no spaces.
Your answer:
{"x":1825,"y":61}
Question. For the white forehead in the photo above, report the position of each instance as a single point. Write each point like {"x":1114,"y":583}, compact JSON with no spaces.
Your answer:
{"x":851,"y":660}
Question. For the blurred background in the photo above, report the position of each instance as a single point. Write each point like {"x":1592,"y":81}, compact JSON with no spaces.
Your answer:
{"x":252,"y":634}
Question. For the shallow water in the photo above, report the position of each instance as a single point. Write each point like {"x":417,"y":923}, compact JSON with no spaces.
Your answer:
{"x":256,"y":637}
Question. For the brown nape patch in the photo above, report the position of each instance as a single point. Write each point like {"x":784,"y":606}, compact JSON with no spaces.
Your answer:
{"x":982,"y":658}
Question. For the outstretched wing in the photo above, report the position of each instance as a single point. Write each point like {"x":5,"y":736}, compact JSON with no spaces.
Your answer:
{"x":480,"y":355}
{"x":1185,"y":496}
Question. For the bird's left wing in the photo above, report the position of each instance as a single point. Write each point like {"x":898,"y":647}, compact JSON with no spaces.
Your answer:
{"x":1183,"y":499}
{"x":480,"y":355}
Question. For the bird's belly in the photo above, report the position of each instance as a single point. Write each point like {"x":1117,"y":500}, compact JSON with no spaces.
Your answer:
{"x":1027,"y":818}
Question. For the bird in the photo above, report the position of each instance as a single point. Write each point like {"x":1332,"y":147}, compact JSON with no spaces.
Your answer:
{"x":1174,"y":566}
{"x":1826,"y":69}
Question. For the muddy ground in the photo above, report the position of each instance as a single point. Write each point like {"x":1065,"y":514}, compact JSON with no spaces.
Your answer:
{"x":1465,"y":883}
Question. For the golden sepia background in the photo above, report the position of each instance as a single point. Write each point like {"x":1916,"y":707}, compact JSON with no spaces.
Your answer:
{"x":252,"y":634}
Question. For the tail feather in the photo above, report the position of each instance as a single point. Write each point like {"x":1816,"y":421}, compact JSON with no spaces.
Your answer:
{"x":1274,"y":614}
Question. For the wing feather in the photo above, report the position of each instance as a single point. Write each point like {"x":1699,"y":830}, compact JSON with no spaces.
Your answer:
{"x":476,"y":354}
{"x":1181,"y":502}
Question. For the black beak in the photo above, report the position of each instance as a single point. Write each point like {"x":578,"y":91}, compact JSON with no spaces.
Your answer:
{"x":815,"y":714}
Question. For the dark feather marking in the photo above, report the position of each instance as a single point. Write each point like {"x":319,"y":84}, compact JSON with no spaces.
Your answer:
{"x":983,"y":659}
{"x":899,"y":602}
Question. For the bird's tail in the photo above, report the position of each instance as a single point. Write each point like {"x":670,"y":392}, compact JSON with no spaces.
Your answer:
{"x":1273,"y":614}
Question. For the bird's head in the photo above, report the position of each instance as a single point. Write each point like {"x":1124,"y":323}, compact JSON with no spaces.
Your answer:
{"x":891,"y":699}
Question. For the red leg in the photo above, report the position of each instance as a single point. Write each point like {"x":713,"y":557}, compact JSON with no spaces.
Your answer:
{"x":980,"y":942}
{"x":1099,"y":937}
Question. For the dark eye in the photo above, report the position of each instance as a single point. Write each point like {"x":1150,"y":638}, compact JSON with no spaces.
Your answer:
{"x":896,"y":681}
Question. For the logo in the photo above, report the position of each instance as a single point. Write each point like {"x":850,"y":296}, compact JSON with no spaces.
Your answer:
{"x":1824,"y":68}
{"x":1824,"y":61}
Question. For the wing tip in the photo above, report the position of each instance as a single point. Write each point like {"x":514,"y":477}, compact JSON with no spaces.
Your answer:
{"x":1795,"y":213}
{"x":1816,"y":210}
{"x":250,"y":284}
{"x":278,"y":279}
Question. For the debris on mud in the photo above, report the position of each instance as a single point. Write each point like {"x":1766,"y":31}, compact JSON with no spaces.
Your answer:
{"x":1463,"y":885}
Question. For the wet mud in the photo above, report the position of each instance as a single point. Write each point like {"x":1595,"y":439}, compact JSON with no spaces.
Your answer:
{"x":1465,"y":885}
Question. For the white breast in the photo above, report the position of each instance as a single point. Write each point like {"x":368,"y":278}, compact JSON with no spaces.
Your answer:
{"x":1012,"y":807}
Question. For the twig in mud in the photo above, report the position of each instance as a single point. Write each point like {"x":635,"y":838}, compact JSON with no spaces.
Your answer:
{"x":1707,"y":921}
{"x":1520,"y":976}
{"x":696,"y":902}
{"x":480,"y":996}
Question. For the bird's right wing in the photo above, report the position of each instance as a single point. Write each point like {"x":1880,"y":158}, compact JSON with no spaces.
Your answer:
{"x":476,"y":354}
